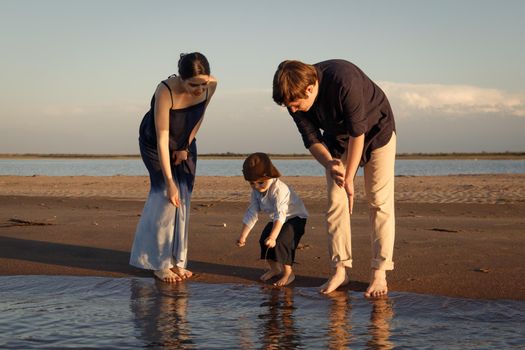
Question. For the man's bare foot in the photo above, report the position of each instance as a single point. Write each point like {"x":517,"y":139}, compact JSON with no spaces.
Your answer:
{"x":285,"y":280}
{"x":183,"y":273}
{"x":269,"y":274}
{"x":378,"y":286}
{"x":167,"y":276}
{"x":338,"y":279}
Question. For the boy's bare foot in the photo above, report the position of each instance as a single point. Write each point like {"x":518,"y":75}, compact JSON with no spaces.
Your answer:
{"x":285,"y":280}
{"x":378,"y":286}
{"x":338,"y":279}
{"x":275,"y":269}
{"x":167,"y":276}
{"x":183,"y":273}
{"x":269,"y":274}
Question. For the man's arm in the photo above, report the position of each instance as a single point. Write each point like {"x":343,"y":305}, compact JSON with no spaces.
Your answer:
{"x":310,"y":133}
{"x":354,"y":153}
{"x":321,"y":154}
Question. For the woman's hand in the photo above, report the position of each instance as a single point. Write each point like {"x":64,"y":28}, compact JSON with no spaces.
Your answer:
{"x":241,"y":242}
{"x":173,"y":194}
{"x":180,"y":156}
{"x":270,"y":242}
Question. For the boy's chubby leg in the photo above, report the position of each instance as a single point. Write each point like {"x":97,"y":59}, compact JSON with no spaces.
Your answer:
{"x":339,"y":278}
{"x":275,"y":270}
{"x":287,"y":277}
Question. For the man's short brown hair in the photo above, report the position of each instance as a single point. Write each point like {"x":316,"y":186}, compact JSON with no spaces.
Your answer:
{"x":291,"y":80}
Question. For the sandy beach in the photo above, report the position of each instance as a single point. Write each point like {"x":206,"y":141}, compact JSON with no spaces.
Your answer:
{"x":461,"y":236}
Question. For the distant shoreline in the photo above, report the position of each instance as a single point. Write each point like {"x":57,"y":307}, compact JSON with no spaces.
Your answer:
{"x":453,"y":155}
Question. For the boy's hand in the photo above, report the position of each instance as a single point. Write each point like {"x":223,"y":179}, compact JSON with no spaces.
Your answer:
{"x":240,"y":243}
{"x":270,"y":242}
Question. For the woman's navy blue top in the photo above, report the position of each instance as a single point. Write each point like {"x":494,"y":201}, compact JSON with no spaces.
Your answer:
{"x":181,"y":123}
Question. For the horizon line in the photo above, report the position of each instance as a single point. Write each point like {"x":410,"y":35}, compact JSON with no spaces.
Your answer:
{"x":405,"y":155}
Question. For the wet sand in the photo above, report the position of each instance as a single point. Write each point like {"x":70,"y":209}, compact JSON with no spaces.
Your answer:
{"x":461,"y":236}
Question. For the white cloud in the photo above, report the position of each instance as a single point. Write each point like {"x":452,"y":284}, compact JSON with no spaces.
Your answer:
{"x":410,"y":99}
{"x":101,"y":110}
{"x":429,"y":118}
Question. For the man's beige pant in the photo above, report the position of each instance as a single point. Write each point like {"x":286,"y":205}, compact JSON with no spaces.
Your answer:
{"x":379,"y":189}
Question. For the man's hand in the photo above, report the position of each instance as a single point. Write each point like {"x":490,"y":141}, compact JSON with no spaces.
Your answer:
{"x":349,"y":188}
{"x":337,"y":171}
{"x":241,"y":242}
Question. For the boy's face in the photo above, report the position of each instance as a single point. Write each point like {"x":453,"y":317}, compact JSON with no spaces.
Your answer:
{"x":261,"y":185}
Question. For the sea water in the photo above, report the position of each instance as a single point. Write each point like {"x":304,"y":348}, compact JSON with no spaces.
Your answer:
{"x":233,"y":167}
{"x":124,"y":313}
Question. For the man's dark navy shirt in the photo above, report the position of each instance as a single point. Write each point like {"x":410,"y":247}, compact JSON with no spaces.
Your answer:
{"x":347,"y":103}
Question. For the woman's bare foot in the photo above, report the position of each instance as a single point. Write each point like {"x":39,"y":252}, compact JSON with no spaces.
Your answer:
{"x":378,"y":286}
{"x":167,"y":276}
{"x":183,"y":273}
{"x":338,"y":279}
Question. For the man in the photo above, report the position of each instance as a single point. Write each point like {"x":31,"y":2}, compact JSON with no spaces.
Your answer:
{"x":358,"y":129}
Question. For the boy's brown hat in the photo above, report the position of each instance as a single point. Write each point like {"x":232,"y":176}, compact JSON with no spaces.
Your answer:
{"x":258,"y":166}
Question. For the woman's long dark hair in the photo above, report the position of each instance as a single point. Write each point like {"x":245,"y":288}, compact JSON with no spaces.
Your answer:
{"x":193,"y":64}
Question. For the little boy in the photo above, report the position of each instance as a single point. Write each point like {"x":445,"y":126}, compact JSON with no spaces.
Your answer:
{"x":281,"y":236}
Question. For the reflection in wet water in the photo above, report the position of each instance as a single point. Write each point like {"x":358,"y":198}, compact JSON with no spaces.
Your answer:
{"x":340,"y":326}
{"x":90,"y":312}
{"x":160,"y":312}
{"x":379,"y":327}
{"x":277,"y":315}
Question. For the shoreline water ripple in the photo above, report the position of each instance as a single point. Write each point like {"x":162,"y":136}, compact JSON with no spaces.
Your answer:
{"x":99,"y":312}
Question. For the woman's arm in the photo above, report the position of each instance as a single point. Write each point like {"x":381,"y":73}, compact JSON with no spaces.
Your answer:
{"x":212,"y":86}
{"x":162,"y":127}
{"x":183,"y":155}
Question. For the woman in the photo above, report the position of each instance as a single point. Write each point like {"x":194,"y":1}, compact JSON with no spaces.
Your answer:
{"x":169,"y":151}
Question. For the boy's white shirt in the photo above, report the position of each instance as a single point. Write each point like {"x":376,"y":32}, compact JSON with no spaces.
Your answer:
{"x":279,"y":201}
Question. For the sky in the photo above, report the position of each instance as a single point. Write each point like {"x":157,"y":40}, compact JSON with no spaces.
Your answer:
{"x":77,"y":76}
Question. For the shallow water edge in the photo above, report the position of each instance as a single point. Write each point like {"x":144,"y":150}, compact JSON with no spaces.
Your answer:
{"x":118,"y":313}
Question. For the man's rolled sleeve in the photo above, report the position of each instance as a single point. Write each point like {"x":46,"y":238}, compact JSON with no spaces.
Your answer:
{"x":309,"y":132}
